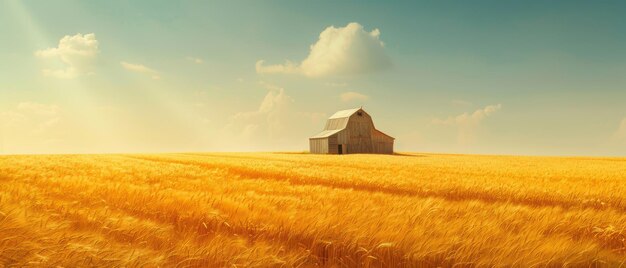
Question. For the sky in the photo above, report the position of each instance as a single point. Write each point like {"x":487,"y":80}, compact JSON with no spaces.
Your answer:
{"x":480,"y":77}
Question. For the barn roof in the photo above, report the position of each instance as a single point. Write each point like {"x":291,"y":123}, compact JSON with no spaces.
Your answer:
{"x":338,"y":122}
{"x":326,"y":133}
{"x":383,"y":133}
{"x":344,"y":113}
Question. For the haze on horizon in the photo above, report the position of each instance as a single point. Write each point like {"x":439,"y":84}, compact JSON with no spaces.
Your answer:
{"x":486,"y":77}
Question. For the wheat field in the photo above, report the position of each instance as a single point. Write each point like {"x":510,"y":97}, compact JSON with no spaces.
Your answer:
{"x":302,"y":210}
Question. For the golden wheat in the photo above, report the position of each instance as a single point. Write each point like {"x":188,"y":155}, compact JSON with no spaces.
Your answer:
{"x":265,"y":209}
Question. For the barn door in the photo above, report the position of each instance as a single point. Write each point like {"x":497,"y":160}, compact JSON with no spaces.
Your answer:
{"x":339,"y":149}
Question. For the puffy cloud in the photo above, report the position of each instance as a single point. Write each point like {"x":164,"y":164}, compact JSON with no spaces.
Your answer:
{"x":138,"y":68}
{"x":77,"y":52}
{"x":467,"y":123}
{"x":339,"y":51}
{"x":351,"y":96}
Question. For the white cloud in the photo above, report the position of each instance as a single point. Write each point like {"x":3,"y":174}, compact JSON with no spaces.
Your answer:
{"x":339,"y":51}
{"x":77,"y":52}
{"x":468,"y":123}
{"x":353,"y":96}
{"x":287,"y":68}
{"x":195,"y":60}
{"x":138,"y":68}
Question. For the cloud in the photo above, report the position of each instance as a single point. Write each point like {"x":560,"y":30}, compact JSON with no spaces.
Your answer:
{"x":339,"y":51}
{"x":195,"y":60}
{"x":468,"y":123}
{"x":77,"y":52}
{"x":138,"y":68}
{"x":270,"y":86}
{"x":276,"y":123}
{"x":469,"y":119}
{"x":287,"y":68}
{"x":267,"y":122}
{"x":351,"y":96}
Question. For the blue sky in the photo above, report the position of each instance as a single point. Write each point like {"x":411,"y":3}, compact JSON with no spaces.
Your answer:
{"x":489,"y":77}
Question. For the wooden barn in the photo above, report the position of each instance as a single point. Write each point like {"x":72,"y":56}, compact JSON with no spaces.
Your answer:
{"x":351,"y":132}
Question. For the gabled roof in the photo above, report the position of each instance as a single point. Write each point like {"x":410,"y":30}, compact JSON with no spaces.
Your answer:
{"x":383,"y":133}
{"x":338,"y":122}
{"x":325,"y":134}
{"x":344,"y":113}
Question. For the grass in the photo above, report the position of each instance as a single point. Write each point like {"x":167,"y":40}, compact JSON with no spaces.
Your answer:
{"x":303,"y":210}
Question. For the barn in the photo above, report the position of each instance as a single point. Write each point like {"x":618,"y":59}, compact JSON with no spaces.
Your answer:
{"x":351,"y":132}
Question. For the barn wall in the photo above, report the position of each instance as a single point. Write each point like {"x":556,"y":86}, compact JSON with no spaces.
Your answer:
{"x":342,"y":137}
{"x":359,"y":133}
{"x":382,"y":144}
{"x":383,"y":147}
{"x":318,"y":146}
{"x":332,"y":144}
{"x":378,"y":136}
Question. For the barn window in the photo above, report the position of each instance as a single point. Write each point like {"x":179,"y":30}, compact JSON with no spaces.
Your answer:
{"x":359,"y":113}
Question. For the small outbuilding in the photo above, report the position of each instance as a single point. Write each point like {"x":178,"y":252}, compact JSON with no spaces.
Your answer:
{"x":351,"y":132}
